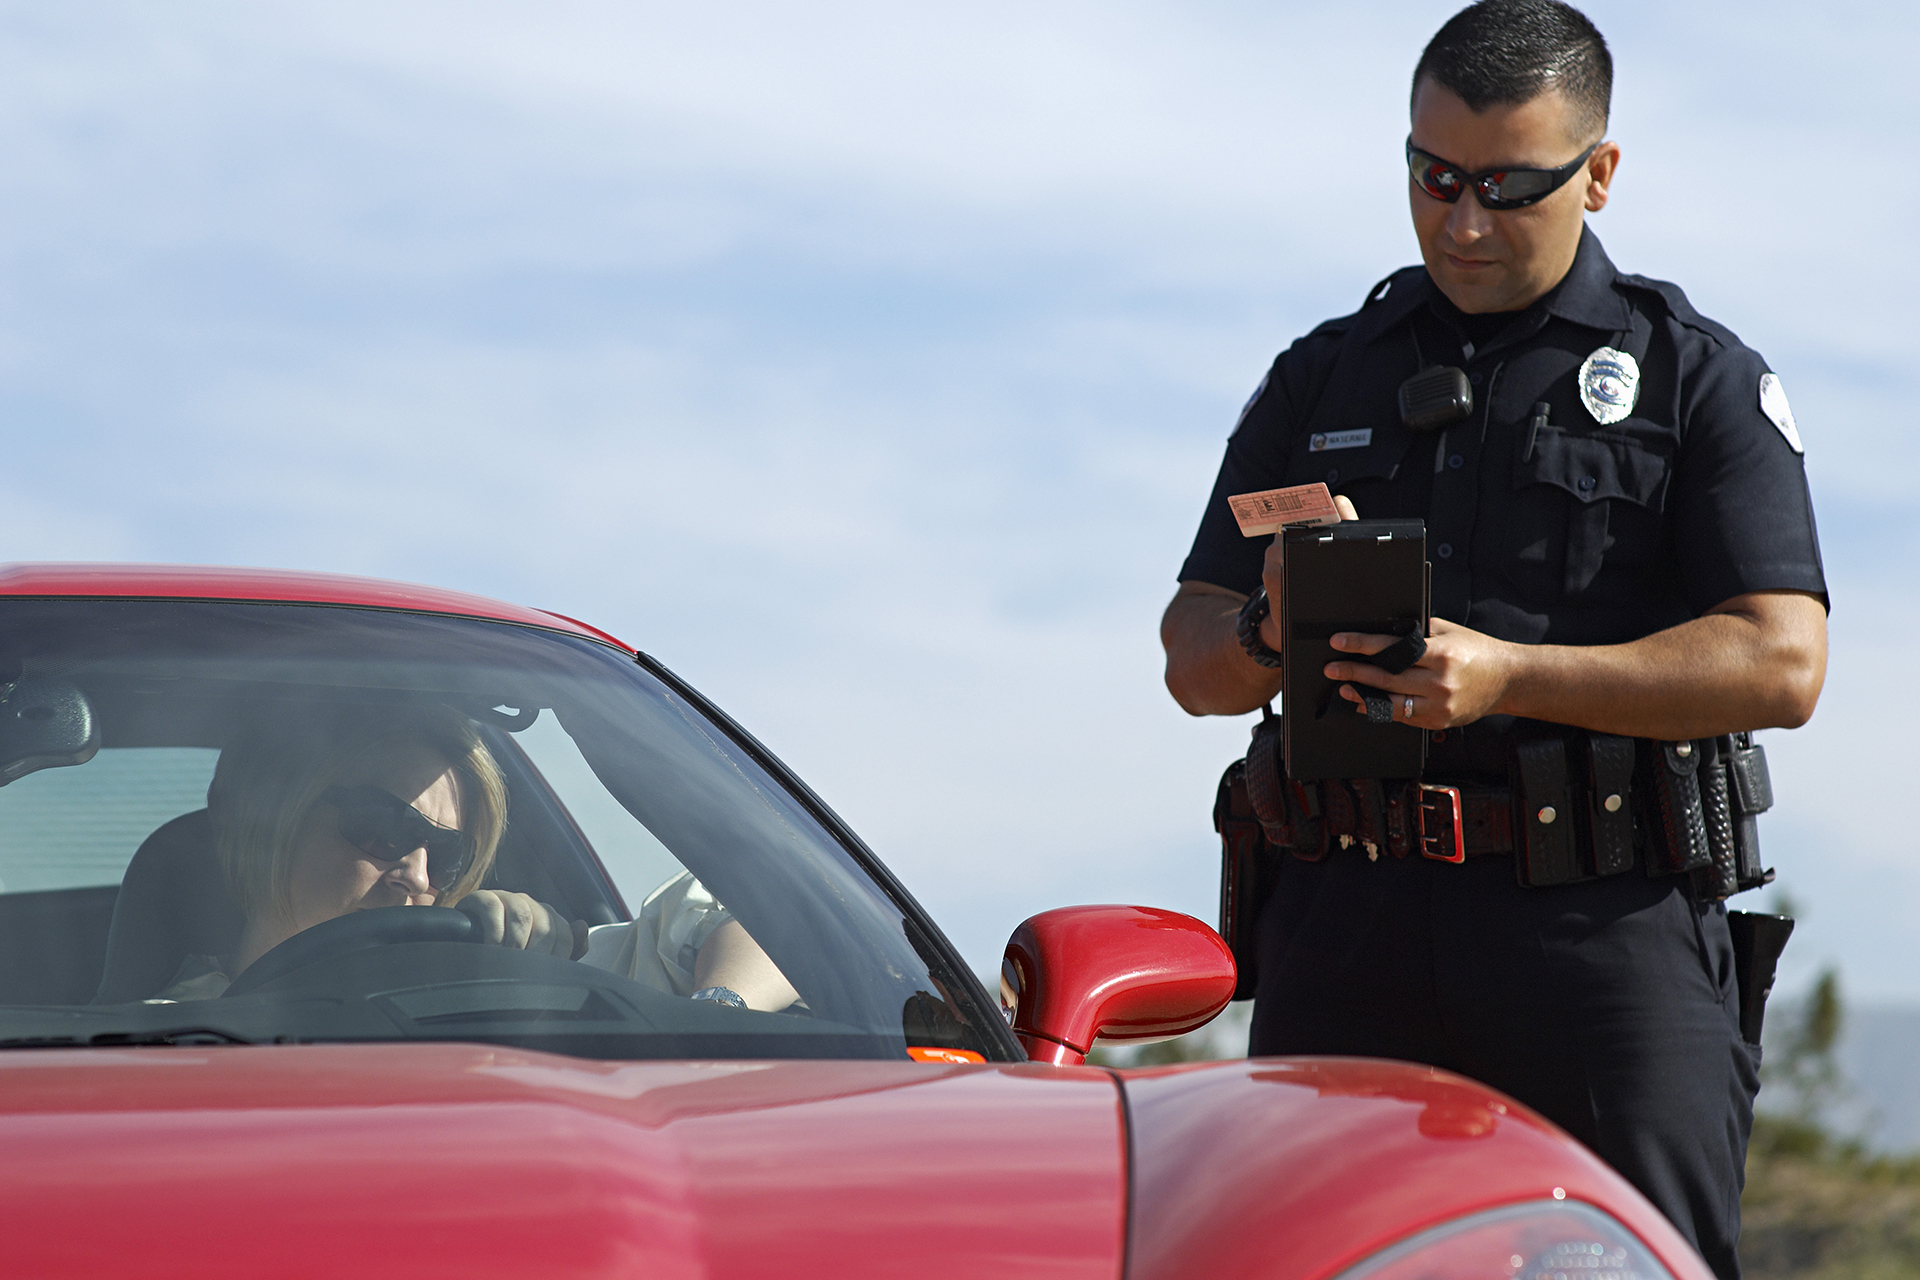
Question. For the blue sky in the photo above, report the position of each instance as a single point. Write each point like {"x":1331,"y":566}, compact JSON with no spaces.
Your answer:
{"x":869,"y":364}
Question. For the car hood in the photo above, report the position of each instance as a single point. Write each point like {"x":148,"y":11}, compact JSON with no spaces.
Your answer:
{"x":1295,"y":1168}
{"x":461,"y":1160}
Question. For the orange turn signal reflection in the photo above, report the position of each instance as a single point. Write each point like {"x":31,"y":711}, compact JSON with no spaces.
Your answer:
{"x":928,"y":1053}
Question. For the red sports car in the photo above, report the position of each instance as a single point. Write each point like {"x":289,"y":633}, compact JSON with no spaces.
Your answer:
{"x":357,"y":929}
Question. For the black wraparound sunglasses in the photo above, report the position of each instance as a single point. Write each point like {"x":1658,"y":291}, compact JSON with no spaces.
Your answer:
{"x":387,"y":829}
{"x":1493,"y":188}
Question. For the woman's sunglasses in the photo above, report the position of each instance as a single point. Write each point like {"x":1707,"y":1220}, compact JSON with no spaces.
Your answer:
{"x":1494,"y":188}
{"x":387,"y":829}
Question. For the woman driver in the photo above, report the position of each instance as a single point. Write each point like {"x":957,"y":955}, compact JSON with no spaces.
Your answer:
{"x":356,"y":808}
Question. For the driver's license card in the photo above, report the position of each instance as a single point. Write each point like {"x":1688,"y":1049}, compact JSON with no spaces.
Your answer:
{"x":1261,"y":514}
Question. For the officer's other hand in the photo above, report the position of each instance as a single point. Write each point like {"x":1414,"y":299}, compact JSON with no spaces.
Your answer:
{"x":1270,"y":574}
{"x":1462,"y":676}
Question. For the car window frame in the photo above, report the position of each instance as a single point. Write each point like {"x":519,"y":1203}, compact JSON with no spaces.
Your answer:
{"x":982,"y":1011}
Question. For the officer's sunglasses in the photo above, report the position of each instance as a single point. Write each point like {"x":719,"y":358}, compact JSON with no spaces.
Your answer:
{"x":387,"y":829}
{"x":1493,"y":188}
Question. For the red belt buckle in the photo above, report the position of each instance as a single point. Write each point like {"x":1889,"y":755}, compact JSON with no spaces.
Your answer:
{"x":1442,"y":837}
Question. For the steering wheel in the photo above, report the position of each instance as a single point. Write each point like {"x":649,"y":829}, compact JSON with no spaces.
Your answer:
{"x":355,"y":931}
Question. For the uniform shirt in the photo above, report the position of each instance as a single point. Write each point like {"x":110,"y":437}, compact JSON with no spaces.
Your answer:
{"x":1554,"y":530}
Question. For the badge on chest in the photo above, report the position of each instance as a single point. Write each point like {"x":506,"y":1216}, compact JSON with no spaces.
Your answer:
{"x":1609,"y":385}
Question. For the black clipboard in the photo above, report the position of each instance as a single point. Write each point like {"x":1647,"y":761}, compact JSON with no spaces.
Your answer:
{"x":1358,"y":575}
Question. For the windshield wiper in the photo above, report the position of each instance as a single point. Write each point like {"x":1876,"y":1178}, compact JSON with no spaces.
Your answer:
{"x":122,"y":1039}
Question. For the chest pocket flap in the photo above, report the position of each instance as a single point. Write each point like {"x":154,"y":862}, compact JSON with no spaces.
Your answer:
{"x":1595,"y":466}
{"x":1590,"y":533}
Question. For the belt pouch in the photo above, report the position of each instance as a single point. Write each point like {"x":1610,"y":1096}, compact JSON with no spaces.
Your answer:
{"x":1370,"y":815}
{"x":1248,"y":871}
{"x":1676,"y":827}
{"x":1289,"y":813}
{"x":1403,"y":818}
{"x":1720,"y":878}
{"x":1609,"y":815}
{"x":1543,"y":825}
{"x":1752,"y":795}
{"x":1267,"y":784}
{"x":1309,"y":820}
{"x":1337,"y":816}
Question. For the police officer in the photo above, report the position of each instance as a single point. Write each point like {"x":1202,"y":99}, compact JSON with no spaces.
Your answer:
{"x":1621,"y":540}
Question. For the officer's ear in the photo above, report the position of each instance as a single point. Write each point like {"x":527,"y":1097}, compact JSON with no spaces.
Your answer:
{"x":1600,"y":168}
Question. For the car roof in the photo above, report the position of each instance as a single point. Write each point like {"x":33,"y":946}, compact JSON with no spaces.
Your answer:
{"x":283,"y":586}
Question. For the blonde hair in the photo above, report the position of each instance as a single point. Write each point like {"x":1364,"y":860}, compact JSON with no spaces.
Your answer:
{"x":273,"y":773}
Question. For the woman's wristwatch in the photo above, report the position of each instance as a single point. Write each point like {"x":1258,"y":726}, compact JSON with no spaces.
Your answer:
{"x":721,"y":995}
{"x":1247,"y":627}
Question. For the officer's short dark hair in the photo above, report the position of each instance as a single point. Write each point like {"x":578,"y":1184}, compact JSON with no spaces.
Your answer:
{"x":1505,"y":52}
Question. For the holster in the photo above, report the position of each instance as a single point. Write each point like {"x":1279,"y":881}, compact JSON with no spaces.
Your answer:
{"x":1249,"y":860}
{"x":1758,"y":941}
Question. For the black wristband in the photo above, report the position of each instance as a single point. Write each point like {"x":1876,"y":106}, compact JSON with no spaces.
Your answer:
{"x":1247,"y":627}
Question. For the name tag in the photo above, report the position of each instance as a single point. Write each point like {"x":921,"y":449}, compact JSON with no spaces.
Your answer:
{"x":1321,"y":441}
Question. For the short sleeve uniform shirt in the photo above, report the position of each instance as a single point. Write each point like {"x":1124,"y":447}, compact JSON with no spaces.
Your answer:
{"x":1544,"y":524}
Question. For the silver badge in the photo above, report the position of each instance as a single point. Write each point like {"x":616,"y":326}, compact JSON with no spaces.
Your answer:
{"x":1609,"y":384}
{"x":1773,"y":403}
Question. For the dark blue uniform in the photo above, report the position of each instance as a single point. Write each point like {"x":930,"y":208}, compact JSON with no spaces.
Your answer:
{"x":1607,"y":1005}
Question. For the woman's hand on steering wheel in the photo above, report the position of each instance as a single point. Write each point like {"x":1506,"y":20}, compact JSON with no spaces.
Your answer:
{"x":515,"y":920}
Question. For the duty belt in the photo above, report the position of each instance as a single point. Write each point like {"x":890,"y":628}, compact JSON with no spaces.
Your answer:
{"x":1444,"y":823}
{"x":1568,"y":814}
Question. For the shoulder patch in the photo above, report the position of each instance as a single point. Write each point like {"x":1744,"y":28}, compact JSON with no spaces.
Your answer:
{"x":1253,"y":400}
{"x":1773,"y":403}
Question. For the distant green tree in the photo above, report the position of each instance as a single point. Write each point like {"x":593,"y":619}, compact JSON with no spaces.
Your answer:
{"x":1804,"y":1087}
{"x":1803,"y":1062}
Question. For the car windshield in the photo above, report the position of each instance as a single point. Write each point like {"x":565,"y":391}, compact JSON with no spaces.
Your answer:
{"x":233,"y":822}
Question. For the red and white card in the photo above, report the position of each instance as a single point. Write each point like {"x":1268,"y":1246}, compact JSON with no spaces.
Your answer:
{"x":1262,"y":514}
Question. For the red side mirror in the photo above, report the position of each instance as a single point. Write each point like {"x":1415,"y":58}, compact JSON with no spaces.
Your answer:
{"x":1116,"y":973}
